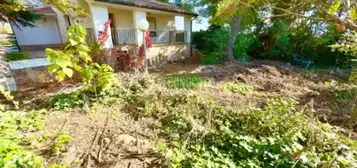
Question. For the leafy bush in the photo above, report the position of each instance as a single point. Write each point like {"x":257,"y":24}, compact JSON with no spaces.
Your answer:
{"x":15,"y":56}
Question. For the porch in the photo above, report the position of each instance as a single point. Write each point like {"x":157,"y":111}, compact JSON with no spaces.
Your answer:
{"x":165,"y":27}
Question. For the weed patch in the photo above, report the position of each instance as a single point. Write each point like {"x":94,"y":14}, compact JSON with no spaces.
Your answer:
{"x":65,"y":101}
{"x":60,"y":143}
{"x":12,"y":124}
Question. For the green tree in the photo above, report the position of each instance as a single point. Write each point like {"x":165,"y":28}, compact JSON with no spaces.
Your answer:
{"x":241,"y":15}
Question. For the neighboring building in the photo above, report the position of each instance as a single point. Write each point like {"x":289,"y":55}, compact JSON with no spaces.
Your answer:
{"x":50,"y":30}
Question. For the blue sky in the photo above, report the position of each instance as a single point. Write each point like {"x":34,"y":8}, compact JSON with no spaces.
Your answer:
{"x":197,"y":25}
{"x":200,"y":24}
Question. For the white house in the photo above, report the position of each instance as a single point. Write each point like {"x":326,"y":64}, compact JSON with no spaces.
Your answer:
{"x":50,"y":30}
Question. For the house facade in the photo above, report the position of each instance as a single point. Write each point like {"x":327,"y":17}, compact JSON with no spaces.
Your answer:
{"x":168,"y":39}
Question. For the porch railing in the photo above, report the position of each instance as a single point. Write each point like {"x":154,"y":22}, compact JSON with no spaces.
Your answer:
{"x":122,"y":36}
{"x":129,"y":36}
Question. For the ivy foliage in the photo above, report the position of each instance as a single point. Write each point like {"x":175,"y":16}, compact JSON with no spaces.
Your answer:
{"x":76,"y":58}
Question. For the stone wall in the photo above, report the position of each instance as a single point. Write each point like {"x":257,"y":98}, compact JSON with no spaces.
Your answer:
{"x":30,"y":71}
{"x":164,"y":53}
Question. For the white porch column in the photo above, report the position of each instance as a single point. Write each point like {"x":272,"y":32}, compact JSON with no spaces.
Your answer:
{"x":187,"y":28}
{"x":137,"y":15}
{"x":99,"y":16}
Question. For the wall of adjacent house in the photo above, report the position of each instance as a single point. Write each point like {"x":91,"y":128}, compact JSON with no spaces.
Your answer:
{"x":122,"y":18}
{"x":45,"y":32}
{"x":163,"y":22}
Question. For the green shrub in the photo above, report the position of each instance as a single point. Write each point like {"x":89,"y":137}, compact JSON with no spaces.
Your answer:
{"x":212,"y":44}
{"x":15,"y":56}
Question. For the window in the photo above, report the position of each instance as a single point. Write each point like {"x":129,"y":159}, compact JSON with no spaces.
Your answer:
{"x":152,"y":26}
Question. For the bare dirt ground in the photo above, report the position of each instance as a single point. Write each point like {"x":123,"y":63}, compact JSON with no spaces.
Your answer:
{"x":109,"y":137}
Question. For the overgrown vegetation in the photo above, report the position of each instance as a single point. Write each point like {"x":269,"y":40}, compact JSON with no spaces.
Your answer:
{"x":197,"y":131}
{"x":277,"y":135}
{"x":246,"y":115}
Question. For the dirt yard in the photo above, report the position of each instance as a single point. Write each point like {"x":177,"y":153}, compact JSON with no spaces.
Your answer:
{"x":110,"y":137}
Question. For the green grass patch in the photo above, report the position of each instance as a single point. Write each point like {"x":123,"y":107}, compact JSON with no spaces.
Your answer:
{"x":237,"y":87}
{"x":189,"y":81}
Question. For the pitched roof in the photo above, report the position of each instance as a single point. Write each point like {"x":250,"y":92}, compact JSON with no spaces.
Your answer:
{"x":38,"y":7}
{"x":150,"y":4}
{"x":45,"y":10}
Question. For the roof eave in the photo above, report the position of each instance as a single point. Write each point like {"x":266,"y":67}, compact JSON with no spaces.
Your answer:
{"x":153,"y":8}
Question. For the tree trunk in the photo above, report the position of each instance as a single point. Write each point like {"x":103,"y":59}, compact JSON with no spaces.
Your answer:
{"x":235,"y":29}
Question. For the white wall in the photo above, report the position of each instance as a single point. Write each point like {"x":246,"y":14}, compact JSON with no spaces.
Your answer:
{"x":45,"y":32}
{"x":137,"y":15}
{"x":99,"y":17}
